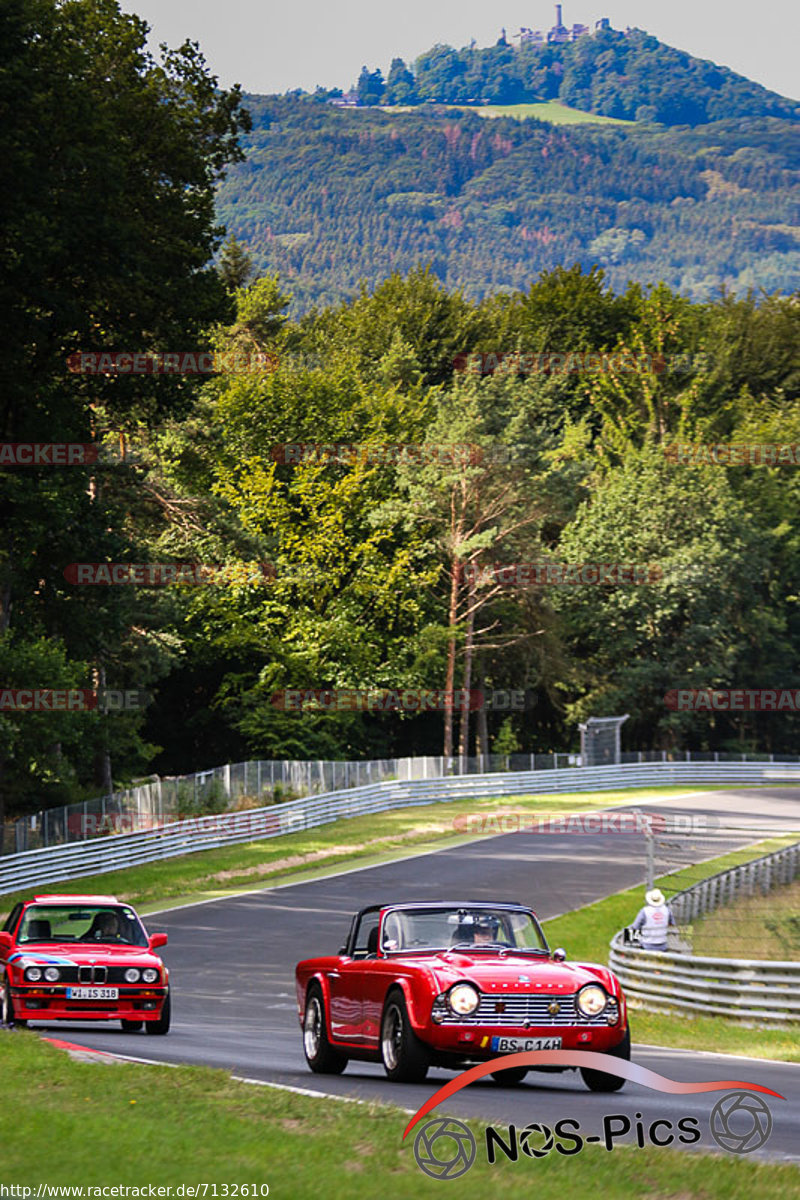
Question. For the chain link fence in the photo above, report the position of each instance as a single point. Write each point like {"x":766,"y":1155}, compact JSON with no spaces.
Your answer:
{"x":234,"y":787}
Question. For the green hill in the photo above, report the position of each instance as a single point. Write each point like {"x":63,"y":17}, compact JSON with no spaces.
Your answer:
{"x":330,"y":197}
{"x":631,"y":76}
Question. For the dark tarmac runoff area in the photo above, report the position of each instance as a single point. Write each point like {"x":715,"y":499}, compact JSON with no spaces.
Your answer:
{"x":232,"y":972}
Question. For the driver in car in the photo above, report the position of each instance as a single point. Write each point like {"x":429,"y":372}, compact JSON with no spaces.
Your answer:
{"x":485,"y":930}
{"x":480,"y":929}
{"x":104,"y":928}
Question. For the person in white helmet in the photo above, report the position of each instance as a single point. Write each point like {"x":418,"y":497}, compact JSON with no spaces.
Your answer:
{"x":653,"y":920}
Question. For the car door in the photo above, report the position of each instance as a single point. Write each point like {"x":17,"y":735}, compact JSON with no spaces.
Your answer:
{"x":9,"y":927}
{"x":348,"y":982}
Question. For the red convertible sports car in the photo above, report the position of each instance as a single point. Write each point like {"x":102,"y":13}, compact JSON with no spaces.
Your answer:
{"x":82,"y":958}
{"x":451,"y":985}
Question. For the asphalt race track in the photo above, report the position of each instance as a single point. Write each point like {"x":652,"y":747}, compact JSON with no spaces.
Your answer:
{"x":232,"y":964}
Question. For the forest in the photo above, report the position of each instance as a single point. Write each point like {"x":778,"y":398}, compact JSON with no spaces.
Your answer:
{"x":333,"y":198}
{"x":392,"y":562}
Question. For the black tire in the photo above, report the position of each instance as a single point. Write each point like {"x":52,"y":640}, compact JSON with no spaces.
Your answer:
{"x":7,"y":1007}
{"x":510,"y":1077}
{"x":131,"y":1026}
{"x":405,"y":1059}
{"x":162,"y":1024}
{"x":320,"y":1055}
{"x":601,"y":1081}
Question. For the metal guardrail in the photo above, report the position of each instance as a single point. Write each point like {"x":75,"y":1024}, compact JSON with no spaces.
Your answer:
{"x":32,"y":868}
{"x":164,"y":800}
{"x":747,"y":989}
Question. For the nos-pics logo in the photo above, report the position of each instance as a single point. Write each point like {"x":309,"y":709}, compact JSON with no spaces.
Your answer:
{"x":445,"y":1148}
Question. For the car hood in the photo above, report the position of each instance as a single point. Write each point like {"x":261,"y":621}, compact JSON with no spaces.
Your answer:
{"x":512,"y":973}
{"x":85,"y":955}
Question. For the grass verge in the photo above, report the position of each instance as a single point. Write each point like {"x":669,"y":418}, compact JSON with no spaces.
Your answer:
{"x":586,"y":933}
{"x":74,"y":1123}
{"x":766,"y":927}
{"x":361,"y":841}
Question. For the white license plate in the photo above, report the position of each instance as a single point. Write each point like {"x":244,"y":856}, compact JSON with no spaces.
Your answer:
{"x":93,"y":993}
{"x":515,"y":1045}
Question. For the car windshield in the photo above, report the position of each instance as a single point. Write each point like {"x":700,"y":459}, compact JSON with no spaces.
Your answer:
{"x":115,"y":925}
{"x":468,"y":928}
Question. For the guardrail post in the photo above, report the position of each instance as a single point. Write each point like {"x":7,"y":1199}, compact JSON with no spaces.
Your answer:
{"x":650,"y":868}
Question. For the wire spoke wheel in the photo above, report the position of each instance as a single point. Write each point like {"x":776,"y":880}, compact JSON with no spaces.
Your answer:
{"x":392,"y":1037}
{"x":312,"y":1028}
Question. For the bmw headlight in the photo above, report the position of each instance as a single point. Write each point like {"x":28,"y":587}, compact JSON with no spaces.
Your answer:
{"x":150,"y":975}
{"x":34,"y":974}
{"x":591,"y":1000}
{"x":132,"y":975}
{"x":51,"y":974}
{"x":463,"y":999}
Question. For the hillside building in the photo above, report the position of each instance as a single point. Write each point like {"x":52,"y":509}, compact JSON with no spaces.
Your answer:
{"x":559,"y":33}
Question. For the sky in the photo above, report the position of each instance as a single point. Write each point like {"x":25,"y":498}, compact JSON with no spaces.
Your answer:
{"x":268,"y":46}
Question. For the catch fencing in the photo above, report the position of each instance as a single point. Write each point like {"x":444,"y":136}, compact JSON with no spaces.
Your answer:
{"x":33,"y":868}
{"x":767,"y":992}
{"x":161,"y":801}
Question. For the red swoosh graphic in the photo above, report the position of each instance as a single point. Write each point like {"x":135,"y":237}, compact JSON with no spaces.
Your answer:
{"x":582,"y":1058}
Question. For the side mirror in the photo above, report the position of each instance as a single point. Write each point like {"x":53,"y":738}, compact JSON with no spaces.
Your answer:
{"x":6,"y":941}
{"x":342,"y":951}
{"x":559,"y":955}
{"x":157,"y":940}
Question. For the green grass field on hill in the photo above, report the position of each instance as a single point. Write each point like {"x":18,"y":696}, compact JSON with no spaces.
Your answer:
{"x":89,"y":1124}
{"x":550,"y":110}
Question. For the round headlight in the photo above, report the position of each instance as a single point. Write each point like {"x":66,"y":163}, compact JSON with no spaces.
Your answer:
{"x":51,"y":974}
{"x":34,"y":974}
{"x":132,"y":975}
{"x":463,"y":999}
{"x":591,"y":1000}
{"x":150,"y":975}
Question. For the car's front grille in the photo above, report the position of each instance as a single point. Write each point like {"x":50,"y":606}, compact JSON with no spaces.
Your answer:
{"x":95,"y":974}
{"x":523,"y":1009}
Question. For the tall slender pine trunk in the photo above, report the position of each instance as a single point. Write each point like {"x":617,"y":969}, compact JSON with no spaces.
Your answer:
{"x":455,"y":575}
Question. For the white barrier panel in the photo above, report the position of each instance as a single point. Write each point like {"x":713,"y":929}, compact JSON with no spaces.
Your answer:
{"x":32,"y":868}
